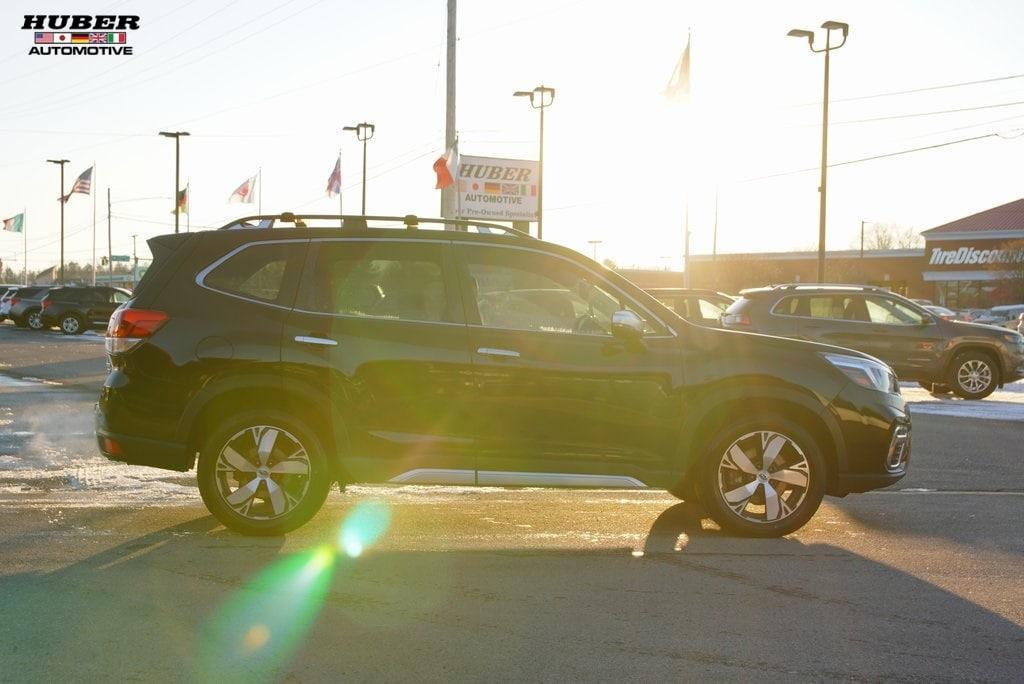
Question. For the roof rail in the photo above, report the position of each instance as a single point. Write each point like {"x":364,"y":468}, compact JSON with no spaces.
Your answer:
{"x":361,"y":222}
{"x":829,"y":286}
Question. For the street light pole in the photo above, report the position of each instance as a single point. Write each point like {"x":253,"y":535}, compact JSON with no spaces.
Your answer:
{"x":364,"y":132}
{"x":177,"y":169}
{"x":829,"y":26}
{"x":594,"y":244}
{"x":541,"y":98}
{"x":61,"y":163}
{"x":862,"y":238}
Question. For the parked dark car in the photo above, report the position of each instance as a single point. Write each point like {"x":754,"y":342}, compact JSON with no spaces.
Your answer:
{"x":703,"y":307}
{"x":969,"y":359}
{"x":290,"y":358}
{"x":77,"y":309}
{"x":26,"y":305}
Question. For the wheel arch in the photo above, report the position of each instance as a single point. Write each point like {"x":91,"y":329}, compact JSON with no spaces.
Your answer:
{"x":979,"y":348}
{"x":254,"y":391}
{"x":716,"y":410}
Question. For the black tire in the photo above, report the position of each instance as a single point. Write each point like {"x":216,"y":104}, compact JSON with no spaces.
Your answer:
{"x":71,"y":324}
{"x":973,"y":375}
{"x":34,"y":319}
{"x":936,"y":387}
{"x":237,"y":431}
{"x":716,"y":478}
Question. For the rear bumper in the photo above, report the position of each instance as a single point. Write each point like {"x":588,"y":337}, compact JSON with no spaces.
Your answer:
{"x":140,"y":450}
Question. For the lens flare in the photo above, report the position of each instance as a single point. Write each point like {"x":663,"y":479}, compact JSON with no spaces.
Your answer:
{"x":260,"y":625}
{"x":363,"y":526}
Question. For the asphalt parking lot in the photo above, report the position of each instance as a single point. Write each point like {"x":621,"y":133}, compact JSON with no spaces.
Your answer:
{"x":113,"y":571}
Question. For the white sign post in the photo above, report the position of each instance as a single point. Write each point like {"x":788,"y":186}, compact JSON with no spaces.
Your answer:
{"x":496,"y":189}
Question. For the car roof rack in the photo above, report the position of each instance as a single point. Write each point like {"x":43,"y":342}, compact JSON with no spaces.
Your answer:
{"x":359,"y":222}
{"x":830,"y":286}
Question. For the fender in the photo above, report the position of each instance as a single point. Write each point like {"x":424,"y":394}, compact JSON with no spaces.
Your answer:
{"x":250,"y":381}
{"x":770,"y":392}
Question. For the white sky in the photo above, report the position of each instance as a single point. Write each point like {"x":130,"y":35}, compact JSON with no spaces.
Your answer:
{"x":270,"y":84}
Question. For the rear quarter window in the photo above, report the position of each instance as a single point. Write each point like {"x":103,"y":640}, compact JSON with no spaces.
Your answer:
{"x":262,"y":272}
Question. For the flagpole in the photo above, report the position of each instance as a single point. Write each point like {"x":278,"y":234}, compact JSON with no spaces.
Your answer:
{"x":341,"y":211}
{"x":188,"y":216}
{"x":458,"y":189}
{"x":93,"y":185}
{"x":110,"y":247}
{"x":24,"y":235}
{"x":259,"y":182}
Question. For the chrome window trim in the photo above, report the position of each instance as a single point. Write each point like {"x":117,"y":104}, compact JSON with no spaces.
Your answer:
{"x":201,"y":276}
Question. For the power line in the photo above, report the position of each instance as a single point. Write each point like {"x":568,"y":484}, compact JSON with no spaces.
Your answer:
{"x":933,"y":113}
{"x":914,"y":90}
{"x":872,"y":158}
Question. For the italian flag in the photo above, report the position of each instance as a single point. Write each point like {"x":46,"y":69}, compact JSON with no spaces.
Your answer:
{"x":15,"y":224}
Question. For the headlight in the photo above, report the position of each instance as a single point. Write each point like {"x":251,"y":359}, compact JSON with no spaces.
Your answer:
{"x":1014,"y":338}
{"x":865,"y":372}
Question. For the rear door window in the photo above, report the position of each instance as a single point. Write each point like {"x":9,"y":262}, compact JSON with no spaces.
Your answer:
{"x":398,"y":281}
{"x":891,"y":312}
{"x":262,"y":272}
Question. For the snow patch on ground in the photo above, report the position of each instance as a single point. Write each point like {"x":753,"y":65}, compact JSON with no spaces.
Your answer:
{"x":1003,"y":404}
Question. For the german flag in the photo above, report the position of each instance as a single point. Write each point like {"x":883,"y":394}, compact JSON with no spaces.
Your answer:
{"x":79,"y":37}
{"x":492,"y":188}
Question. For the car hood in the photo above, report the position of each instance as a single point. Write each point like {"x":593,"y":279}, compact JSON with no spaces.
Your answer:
{"x":982,"y":329}
{"x":719,"y":337}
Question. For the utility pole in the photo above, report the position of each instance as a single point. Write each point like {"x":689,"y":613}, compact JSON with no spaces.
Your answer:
{"x":110,"y":248}
{"x":177,"y":169}
{"x":135,"y":268}
{"x":829,"y":26}
{"x":448,"y":194}
{"x":61,"y":162}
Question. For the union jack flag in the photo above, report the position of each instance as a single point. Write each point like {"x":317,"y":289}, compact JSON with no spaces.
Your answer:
{"x":334,"y":181}
{"x":83,"y":185}
{"x":97,"y":37}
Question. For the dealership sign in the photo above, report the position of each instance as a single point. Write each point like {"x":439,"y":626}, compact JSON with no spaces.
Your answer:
{"x":497,"y":189}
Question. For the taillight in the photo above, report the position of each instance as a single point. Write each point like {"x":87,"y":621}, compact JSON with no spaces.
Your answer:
{"x":14,"y":301}
{"x":736,"y":319}
{"x":129,"y":327}
{"x":45,"y":304}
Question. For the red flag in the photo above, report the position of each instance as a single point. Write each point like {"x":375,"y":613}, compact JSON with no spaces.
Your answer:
{"x":334,"y":182}
{"x":446,"y":167}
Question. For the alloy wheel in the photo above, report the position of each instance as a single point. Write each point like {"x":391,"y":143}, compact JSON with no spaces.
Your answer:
{"x":263,"y":472}
{"x":974,"y":376}
{"x":763,"y":477}
{"x":69,"y":325}
{"x":35,"y":320}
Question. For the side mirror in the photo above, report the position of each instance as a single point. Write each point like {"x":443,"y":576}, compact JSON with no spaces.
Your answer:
{"x":627,"y":325}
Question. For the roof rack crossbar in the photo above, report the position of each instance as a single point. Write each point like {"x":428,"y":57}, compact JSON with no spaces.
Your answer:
{"x":410,"y":221}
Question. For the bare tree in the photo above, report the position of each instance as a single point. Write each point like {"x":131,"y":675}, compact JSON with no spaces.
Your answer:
{"x":891,"y":236}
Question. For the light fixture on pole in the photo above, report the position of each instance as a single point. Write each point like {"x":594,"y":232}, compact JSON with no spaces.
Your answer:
{"x":364,"y":132}
{"x":862,"y":237}
{"x":594,"y":244}
{"x":541,"y":98}
{"x":829,"y":27}
{"x":61,"y":163}
{"x":177,"y":169}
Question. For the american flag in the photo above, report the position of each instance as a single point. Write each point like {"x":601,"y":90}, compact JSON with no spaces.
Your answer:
{"x":83,"y":184}
{"x":334,"y":182}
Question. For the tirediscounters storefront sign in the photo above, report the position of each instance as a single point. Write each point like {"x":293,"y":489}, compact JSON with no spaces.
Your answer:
{"x":497,"y":189}
{"x":955,"y":257}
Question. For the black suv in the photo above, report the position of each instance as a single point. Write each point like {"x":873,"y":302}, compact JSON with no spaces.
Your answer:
{"x":291,"y":357}
{"x":76,"y":309}
{"x":971,"y":360}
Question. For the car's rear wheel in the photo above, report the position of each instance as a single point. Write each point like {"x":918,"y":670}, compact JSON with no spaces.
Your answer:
{"x":35,"y":320}
{"x":763,"y":477}
{"x":71,"y":324}
{"x":973,"y":375}
{"x":263,"y":473}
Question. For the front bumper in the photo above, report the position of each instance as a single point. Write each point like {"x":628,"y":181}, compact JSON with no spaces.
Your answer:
{"x":877,"y":432}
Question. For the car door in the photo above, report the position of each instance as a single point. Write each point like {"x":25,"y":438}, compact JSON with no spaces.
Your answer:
{"x":95,"y":304}
{"x":559,"y":400}
{"x":908,"y":340}
{"x":378,"y":328}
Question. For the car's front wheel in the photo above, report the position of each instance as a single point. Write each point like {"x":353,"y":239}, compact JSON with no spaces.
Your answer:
{"x":973,"y":375}
{"x":71,"y":324}
{"x":35,"y":320}
{"x":263,"y":473}
{"x":763,"y":477}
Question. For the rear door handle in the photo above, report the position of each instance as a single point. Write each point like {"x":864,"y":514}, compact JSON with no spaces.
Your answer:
{"x":321,"y":341}
{"x":498,"y":353}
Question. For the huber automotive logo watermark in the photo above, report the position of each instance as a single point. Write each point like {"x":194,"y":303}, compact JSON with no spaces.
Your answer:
{"x":80,"y":34}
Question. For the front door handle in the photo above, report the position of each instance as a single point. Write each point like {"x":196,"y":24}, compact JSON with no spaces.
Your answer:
{"x":322,"y":341}
{"x":498,"y":353}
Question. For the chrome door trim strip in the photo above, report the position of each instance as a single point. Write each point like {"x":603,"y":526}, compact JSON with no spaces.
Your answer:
{"x":435,"y":476}
{"x":322,"y":341}
{"x":530,"y":479}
